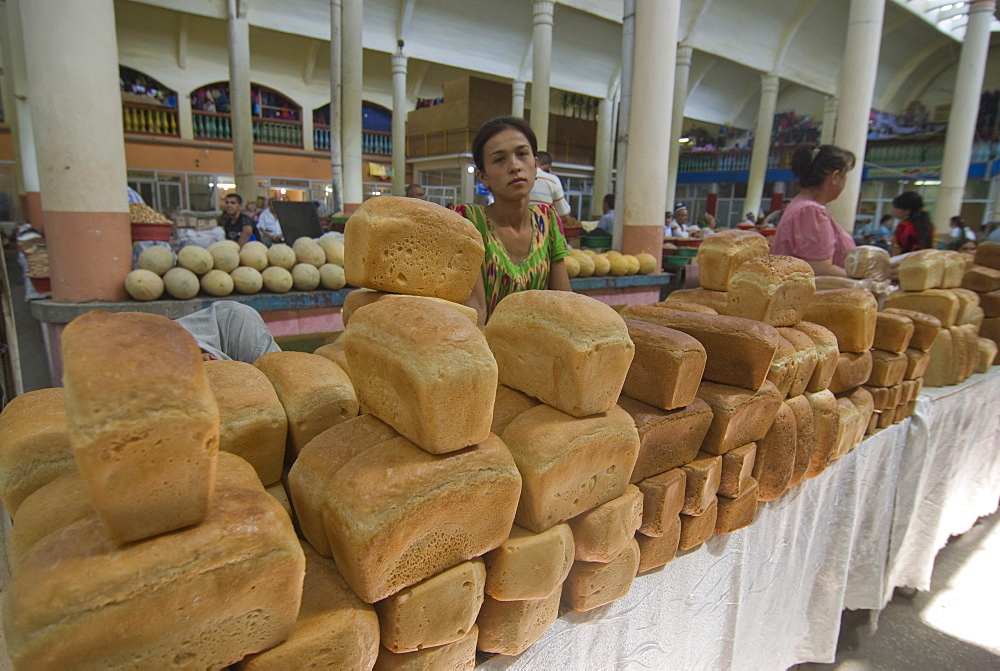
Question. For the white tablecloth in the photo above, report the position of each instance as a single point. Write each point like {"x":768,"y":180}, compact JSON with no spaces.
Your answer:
{"x":770,"y":596}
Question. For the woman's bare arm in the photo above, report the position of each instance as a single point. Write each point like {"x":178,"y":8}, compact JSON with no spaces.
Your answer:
{"x":827,"y":267}
{"x":558,"y":277}
{"x":478,"y":300}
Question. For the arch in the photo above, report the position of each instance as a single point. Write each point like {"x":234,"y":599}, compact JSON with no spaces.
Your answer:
{"x":796,"y":24}
{"x":267,"y":103}
{"x":375,"y":117}
{"x":896,"y":85}
{"x":321,"y":116}
{"x":140,"y":85}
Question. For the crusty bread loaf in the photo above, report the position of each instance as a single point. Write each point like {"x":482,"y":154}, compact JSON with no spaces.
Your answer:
{"x":696,"y":529}
{"x":892,"y":332}
{"x":600,"y":533}
{"x":410,"y":246}
{"x":663,"y":498}
{"x":941,"y":369}
{"x":849,"y":313}
{"x":939,"y":303}
{"x":34,"y":445}
{"x":425,"y":370}
{"x":771,"y":289}
{"x":667,"y":366}
{"x":982,"y":279}
{"x":922,"y":270}
{"x":738,"y":416}
{"x":509,"y":404}
{"x":987,"y":354}
{"x":252,"y":423}
{"x":314,"y":391}
{"x":739,"y":350}
{"x":460,"y":656}
{"x":955,"y":264}
{"x":850,"y":426}
{"x":362,"y":297}
{"x":209,"y":594}
{"x":783,"y":366}
{"x":721,"y":254}
{"x":716,"y":300}
{"x":702,"y":479}
{"x":968,"y":335}
{"x":437,"y":611}
{"x":988,"y":254}
{"x":804,"y":359}
{"x":853,"y":370}
{"x":686,"y":306}
{"x":863,"y":401}
{"x":888,"y":368}
{"x":335,"y":629}
{"x":775,"y":459}
{"x":142,"y":421}
{"x":568,"y":350}
{"x":45,"y":511}
{"x":827,"y":354}
{"x":925,"y":327}
{"x":977,"y":317}
{"x":968,"y":301}
{"x":593,"y":584}
{"x":828,"y":282}
{"x":990,"y":303}
{"x":737,"y":467}
{"x":739,"y":512}
{"x":880,"y":397}
{"x":991,"y":329}
{"x":530,"y":566}
{"x":667,"y":438}
{"x":907,"y":391}
{"x":569,"y":465}
{"x":867,"y":262}
{"x":510,"y":627}
{"x":335,"y":353}
{"x":660,"y":550}
{"x":826,"y":425}
{"x":887,"y":418}
{"x":805,"y":437}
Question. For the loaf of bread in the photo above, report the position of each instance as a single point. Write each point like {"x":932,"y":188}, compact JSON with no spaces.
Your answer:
{"x":941,"y":369}
{"x":987,"y":354}
{"x":805,"y":437}
{"x":739,"y":512}
{"x":425,"y":370}
{"x":888,"y":368}
{"x":827,"y":354}
{"x":509,"y":404}
{"x":696,"y":529}
{"x":783,"y":366}
{"x":460,"y":655}
{"x":771,"y":289}
{"x":335,"y":629}
{"x":977,"y":317}
{"x":702,"y":479}
{"x":436,"y":611}
{"x":667,"y":438}
{"x":873,"y":423}
{"x":925,"y":327}
{"x":529,"y":565}
{"x":968,"y":301}
{"x":908,"y":391}
{"x":892,"y":332}
{"x":209,"y":594}
{"x":966,"y":363}
{"x":335,"y":353}
{"x":663,"y":498}
{"x":853,"y":370}
{"x":863,"y":401}
{"x":850,"y":426}
{"x":593,"y":584}
{"x":887,"y":418}
{"x":939,"y":303}
{"x":603,"y":532}
{"x":252,"y":423}
{"x":880,"y":397}
{"x":867,"y":262}
{"x":568,"y":464}
{"x":667,"y":366}
{"x":34,"y":445}
{"x":660,"y":550}
{"x":775,"y":459}
{"x":568,"y":350}
{"x":849,"y":313}
{"x":142,"y":421}
{"x":434,"y":512}
{"x":510,"y":627}
{"x":739,"y":350}
{"x":991,"y":329}
{"x":737,"y":467}
{"x":988,"y":254}
{"x":362,"y":297}
{"x":826,"y":427}
{"x":990,"y":303}
{"x":922,"y":270}
{"x":982,"y":279}
{"x":955,"y":264}
{"x":45,"y":511}
{"x":738,"y":416}
{"x":716,"y":300}
{"x":829,"y":282}
{"x":804,"y":359}
{"x":686,"y":306}
{"x":315,"y":393}
{"x":410,"y":246}
{"x":721,"y":254}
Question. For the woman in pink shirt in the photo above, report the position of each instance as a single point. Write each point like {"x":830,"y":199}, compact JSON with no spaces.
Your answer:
{"x":807,"y":229}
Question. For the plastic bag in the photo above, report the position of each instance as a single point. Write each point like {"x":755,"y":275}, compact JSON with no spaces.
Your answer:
{"x":868,"y":262}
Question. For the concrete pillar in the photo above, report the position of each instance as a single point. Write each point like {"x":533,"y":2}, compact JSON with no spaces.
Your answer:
{"x":541,"y":67}
{"x":22,"y":129}
{"x":336,"y":156}
{"x":517,"y":98}
{"x":677,"y":121}
{"x":240,"y":107}
{"x":864,"y":37}
{"x":308,"y":138}
{"x":604,"y":154}
{"x":712,"y":202}
{"x":964,"y":111}
{"x":761,"y":143}
{"x":624,"y":115}
{"x":468,"y":193}
{"x":185,"y":120}
{"x":77,"y":117}
{"x":656,"y":28}
{"x":830,"y":106}
{"x":399,"y":122}
{"x":352,"y":55}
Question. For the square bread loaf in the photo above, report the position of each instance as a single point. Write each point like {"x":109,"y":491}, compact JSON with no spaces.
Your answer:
{"x":686,"y":306}
{"x":941,"y":369}
{"x":804,"y":360}
{"x":863,"y":401}
{"x":990,"y":303}
{"x":955,"y":265}
{"x":826,"y":428}
{"x":783,"y":366}
{"x":209,"y":594}
{"x":853,"y":370}
{"x":425,"y":370}
{"x":981,"y":279}
{"x":593,"y":584}
{"x":850,"y":426}
{"x":991,"y":329}
{"x":570,"y":351}
{"x":716,"y":300}
{"x":739,"y":350}
{"x":335,"y":353}
{"x":602,"y":532}
{"x":939,"y":303}
{"x":529,"y":565}
{"x":867,"y":261}
{"x":509,"y":404}
{"x":988,"y":254}
{"x":568,"y":464}
{"x":667,"y":438}
{"x":658,"y":551}
{"x":739,"y":512}
{"x":771,"y":289}
{"x":737,"y":467}
{"x":335,"y":629}
{"x":738,"y":416}
{"x":827,"y":351}
{"x":667,"y":366}
{"x":720,"y":255}
{"x":362,"y":297}
{"x":880,"y":397}
{"x":892,"y":332}
{"x":849,"y":313}
{"x":772,"y":469}
{"x":142,"y":421}
{"x":987,"y":354}
{"x":696,"y":529}
{"x":663,"y":498}
{"x":922,"y":270}
{"x":314,"y":391}
{"x":460,"y":656}
{"x":34,"y":445}
{"x":968,"y":302}
{"x":252,"y":422}
{"x":888,"y":368}
{"x":510,"y":627}
{"x":702,"y":479}
{"x":805,"y":437}
{"x":409,"y":246}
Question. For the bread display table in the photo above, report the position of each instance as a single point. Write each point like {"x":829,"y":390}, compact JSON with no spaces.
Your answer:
{"x":770,"y":596}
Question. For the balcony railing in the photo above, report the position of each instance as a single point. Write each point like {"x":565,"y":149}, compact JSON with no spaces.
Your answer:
{"x":218,"y":126}
{"x":149,"y":119}
{"x":376,"y":142}
{"x":321,"y":138}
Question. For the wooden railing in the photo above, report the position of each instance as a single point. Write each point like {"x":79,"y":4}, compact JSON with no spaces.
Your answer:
{"x":218,"y":126}
{"x":372,"y":141}
{"x":149,"y":119}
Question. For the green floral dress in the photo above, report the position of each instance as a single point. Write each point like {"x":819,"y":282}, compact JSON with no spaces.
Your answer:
{"x":501,"y":276}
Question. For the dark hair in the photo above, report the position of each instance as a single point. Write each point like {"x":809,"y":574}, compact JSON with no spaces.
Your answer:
{"x":544,"y":157}
{"x":411,"y":187}
{"x":238,"y":197}
{"x":496,"y":125}
{"x":812,"y":163}
{"x":914,"y":205}
{"x":885,"y":218}
{"x":609,"y":200}
{"x":957,"y":221}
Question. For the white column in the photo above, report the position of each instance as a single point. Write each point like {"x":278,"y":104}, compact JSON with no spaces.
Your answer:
{"x":964,"y":110}
{"x":677,"y":122}
{"x":830,"y":106}
{"x":352,"y":55}
{"x":761,"y":143}
{"x":517,"y":98}
{"x":624,"y":116}
{"x":241,"y":111}
{"x":399,"y":122}
{"x":864,"y":37}
{"x":656,"y":28}
{"x":541,"y":66}
{"x":336,"y":157}
{"x":604,"y":154}
{"x":16,"y":77}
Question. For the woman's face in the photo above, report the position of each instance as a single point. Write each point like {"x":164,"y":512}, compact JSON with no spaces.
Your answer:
{"x":968,"y":247}
{"x":509,"y":165}
{"x":900,"y":213}
{"x":837,"y":180}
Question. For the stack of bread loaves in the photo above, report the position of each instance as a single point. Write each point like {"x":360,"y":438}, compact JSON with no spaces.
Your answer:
{"x":157,"y":549}
{"x":983,"y":278}
{"x":900,"y":356}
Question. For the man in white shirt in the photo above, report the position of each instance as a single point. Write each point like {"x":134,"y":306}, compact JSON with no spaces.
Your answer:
{"x":672,"y":229}
{"x":548,"y":189}
{"x":269,"y":226}
{"x":607,"y":221}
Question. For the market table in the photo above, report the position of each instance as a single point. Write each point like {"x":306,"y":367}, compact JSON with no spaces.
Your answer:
{"x":770,"y":596}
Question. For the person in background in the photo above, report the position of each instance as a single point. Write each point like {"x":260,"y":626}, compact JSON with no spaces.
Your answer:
{"x":250,"y":209}
{"x":915,"y":230}
{"x":134,"y":196}
{"x":968,"y":247}
{"x":548,"y":189}
{"x":707,"y":224}
{"x":883,"y":233}
{"x":269,"y":226}
{"x":607,"y":221}
{"x":237,"y":226}
{"x":672,"y":229}
{"x":229,"y":331}
{"x":683,"y":219}
{"x":960,"y":232}
{"x":524,"y":246}
{"x":994,"y":234}
{"x":416,"y":191}
{"x":808,"y":230}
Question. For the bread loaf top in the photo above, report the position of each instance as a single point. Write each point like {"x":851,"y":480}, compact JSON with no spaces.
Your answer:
{"x":361,"y":297}
{"x":867,"y":262}
{"x":922,"y":318}
{"x":733,"y":238}
{"x":988,"y":254}
{"x":32,"y":413}
{"x":582,"y":320}
{"x":774,"y":269}
{"x":845,"y":297}
{"x":718,"y":324}
{"x":664,"y":338}
{"x":686,"y":306}
{"x":241,"y":387}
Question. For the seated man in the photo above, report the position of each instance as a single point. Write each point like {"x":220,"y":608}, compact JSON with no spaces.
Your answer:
{"x":229,"y":331}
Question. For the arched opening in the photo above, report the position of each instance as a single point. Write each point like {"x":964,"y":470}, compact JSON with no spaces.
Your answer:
{"x":148,"y":107}
{"x":376,"y":128}
{"x":277,"y":120}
